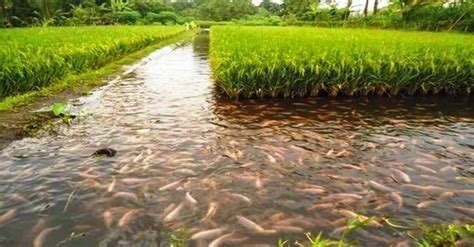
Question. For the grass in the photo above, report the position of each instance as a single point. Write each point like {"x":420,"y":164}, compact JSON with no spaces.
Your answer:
{"x":33,"y":58}
{"x":444,"y":235}
{"x":82,"y":83}
{"x":260,"y":62}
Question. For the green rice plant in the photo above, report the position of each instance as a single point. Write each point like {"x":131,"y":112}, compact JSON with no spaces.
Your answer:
{"x":31,"y":58}
{"x":300,"y":61}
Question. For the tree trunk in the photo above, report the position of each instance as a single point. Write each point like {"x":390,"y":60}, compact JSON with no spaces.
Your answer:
{"x":366,"y":8}
{"x":4,"y":10}
{"x":402,"y":9}
{"x":348,"y":9}
{"x":376,"y":5}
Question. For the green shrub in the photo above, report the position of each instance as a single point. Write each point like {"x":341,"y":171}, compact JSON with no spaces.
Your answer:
{"x":166,"y":17}
{"x":128,"y":17}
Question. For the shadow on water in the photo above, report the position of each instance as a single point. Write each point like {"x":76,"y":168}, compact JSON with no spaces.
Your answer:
{"x":188,"y":161}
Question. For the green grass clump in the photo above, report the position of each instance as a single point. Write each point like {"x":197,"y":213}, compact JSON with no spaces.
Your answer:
{"x":32,"y":58}
{"x":444,"y":235}
{"x":297,"y":61}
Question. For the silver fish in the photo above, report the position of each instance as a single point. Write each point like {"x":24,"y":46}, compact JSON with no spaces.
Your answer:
{"x":171,"y":186}
{"x":219,"y":241}
{"x":397,"y":198}
{"x":189,"y":199}
{"x":379,"y":187}
{"x":126,"y":195}
{"x":208,"y":234}
{"x":41,"y":238}
{"x":126,"y":218}
{"x":7,"y":216}
{"x":403,"y":176}
{"x":112,"y":185}
{"x":173,"y":215}
{"x":241,"y":197}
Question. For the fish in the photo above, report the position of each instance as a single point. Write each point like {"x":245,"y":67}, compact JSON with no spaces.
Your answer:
{"x":312,"y":190}
{"x":112,"y":185}
{"x":189,"y":199}
{"x":271,"y":158}
{"x":108,"y":219}
{"x":426,"y":169}
{"x":219,"y":241}
{"x":339,"y":230}
{"x":38,"y":226}
{"x":465,"y":192}
{"x":415,"y":187}
{"x":288,"y":229}
{"x":379,"y":187}
{"x":241,"y":197}
{"x":359,"y":217}
{"x":464,"y":210}
{"x":425,"y":204}
{"x":330,"y":153}
{"x":403,"y":176}
{"x":342,"y":196}
{"x":173,"y":215}
{"x":208,"y":234}
{"x":7,"y":216}
{"x":252,"y":226}
{"x":171,"y":186}
{"x":404,"y":243}
{"x":349,"y":166}
{"x":136,"y":159}
{"x":343,"y":153}
{"x":383,"y":206}
{"x":135,"y":180}
{"x":397,"y":198}
{"x":41,"y":238}
{"x":89,"y":182}
{"x":445,"y":196}
{"x":320,"y":206}
{"x":169,"y":208}
{"x":126,"y":169}
{"x":126,"y":195}
{"x":17,"y":198}
{"x":258,"y":183}
{"x":126,"y":218}
{"x":211,"y":211}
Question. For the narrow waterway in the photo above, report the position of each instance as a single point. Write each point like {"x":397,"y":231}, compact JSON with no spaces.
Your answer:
{"x":189,"y":161}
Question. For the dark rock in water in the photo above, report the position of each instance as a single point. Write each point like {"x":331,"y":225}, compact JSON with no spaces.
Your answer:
{"x":109,"y":152}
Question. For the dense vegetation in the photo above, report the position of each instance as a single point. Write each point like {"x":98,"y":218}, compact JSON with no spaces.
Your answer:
{"x":419,"y":14}
{"x":296,"y":61}
{"x":32,"y":58}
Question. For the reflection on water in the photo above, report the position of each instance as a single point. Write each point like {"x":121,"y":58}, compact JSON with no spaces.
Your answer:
{"x":187,"y":159}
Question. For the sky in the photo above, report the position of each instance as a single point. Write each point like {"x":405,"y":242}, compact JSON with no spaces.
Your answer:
{"x":357,"y":5}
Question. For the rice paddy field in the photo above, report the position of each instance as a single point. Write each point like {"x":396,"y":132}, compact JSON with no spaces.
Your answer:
{"x":31,"y":58}
{"x":296,"y":61}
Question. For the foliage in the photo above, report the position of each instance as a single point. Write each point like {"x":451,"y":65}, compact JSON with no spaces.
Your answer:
{"x":128,"y":17}
{"x":59,"y":109}
{"x":291,"y":62}
{"x":401,"y":14}
{"x":444,"y":235}
{"x":33,"y":58}
{"x":167,"y":17}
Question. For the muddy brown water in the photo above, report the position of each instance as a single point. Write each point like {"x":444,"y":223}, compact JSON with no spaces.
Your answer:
{"x":290,"y":166}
